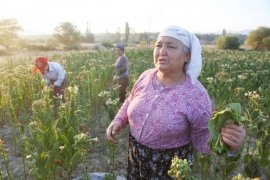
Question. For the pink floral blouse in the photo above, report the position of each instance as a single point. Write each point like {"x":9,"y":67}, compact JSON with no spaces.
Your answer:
{"x":167,"y":117}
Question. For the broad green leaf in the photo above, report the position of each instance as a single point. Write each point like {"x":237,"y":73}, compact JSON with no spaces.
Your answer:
{"x":75,"y":159}
{"x":231,"y":113}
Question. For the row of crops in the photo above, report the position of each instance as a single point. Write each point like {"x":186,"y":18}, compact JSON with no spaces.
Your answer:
{"x":52,"y":146}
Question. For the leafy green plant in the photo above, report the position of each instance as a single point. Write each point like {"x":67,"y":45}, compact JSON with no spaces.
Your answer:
{"x":111,"y":103}
{"x":55,"y":145}
{"x":4,"y":155}
{"x":82,"y":143}
{"x":231,"y":114}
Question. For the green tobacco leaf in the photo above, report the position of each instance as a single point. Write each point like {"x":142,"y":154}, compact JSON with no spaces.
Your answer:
{"x":266,"y":141}
{"x":231,"y":113}
{"x":236,"y":112}
{"x":236,"y":107}
{"x":53,"y":153}
{"x":71,"y":133}
{"x":212,"y":130}
{"x":75,"y":159}
{"x":223,"y":118}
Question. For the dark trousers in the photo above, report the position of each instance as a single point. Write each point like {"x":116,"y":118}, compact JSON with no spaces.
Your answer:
{"x":57,"y":93}
{"x":123,"y":82}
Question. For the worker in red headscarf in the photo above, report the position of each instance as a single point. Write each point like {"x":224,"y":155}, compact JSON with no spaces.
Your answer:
{"x":40,"y":64}
{"x":54,"y":75}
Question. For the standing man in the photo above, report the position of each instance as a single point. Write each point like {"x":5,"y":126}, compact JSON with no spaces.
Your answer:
{"x":121,"y":68}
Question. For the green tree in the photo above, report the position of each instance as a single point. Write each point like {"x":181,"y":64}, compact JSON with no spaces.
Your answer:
{"x":8,"y":31}
{"x":89,"y":37}
{"x":259,"y":39}
{"x":126,"y":33}
{"x":67,"y":34}
{"x":224,"y":32}
{"x":228,"y":42}
{"x":117,"y":37}
{"x":144,"y":39}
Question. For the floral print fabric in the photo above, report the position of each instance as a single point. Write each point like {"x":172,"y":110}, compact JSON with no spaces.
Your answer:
{"x":152,"y":164}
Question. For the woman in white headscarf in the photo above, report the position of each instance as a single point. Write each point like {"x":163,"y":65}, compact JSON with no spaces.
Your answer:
{"x":168,"y":109}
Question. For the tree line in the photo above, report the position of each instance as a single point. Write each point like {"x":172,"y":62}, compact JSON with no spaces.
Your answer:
{"x":68,"y":35}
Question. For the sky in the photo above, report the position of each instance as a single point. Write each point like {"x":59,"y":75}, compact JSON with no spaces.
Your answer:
{"x":199,"y":16}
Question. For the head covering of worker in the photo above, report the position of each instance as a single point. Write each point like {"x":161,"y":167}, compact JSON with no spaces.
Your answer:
{"x":40,"y":64}
{"x":120,"y":46}
{"x":194,"y":66}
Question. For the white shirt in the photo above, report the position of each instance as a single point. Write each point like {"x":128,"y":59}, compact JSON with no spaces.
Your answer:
{"x":55,"y":73}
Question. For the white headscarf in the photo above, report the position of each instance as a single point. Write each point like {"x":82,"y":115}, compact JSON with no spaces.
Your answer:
{"x":194,"y":66}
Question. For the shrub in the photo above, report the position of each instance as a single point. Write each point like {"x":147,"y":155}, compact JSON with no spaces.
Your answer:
{"x":107,"y":45}
{"x":228,"y":42}
{"x":259,"y":39}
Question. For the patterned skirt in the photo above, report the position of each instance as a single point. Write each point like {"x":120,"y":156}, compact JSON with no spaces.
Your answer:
{"x":152,"y":164}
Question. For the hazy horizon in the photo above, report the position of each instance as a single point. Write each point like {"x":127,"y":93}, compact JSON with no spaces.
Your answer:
{"x":243,"y":32}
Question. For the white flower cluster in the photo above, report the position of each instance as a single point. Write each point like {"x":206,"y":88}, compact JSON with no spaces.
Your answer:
{"x":252,"y":95}
{"x":104,"y":94}
{"x":210,"y":79}
{"x":225,"y":65}
{"x":39,"y":104}
{"x":115,"y":77}
{"x":73,"y":90}
{"x":33,"y":125}
{"x":242,"y":77}
{"x":116,"y":87}
{"x":112,"y":102}
{"x":229,"y":80}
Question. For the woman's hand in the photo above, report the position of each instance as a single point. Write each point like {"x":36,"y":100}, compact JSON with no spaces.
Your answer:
{"x":233,"y":135}
{"x":112,"y":131}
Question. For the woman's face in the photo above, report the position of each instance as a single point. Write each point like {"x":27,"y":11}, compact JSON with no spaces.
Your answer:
{"x":119,"y":52}
{"x":39,"y":64}
{"x":169,"y":55}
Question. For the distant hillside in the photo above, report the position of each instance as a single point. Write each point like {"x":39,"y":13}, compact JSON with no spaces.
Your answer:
{"x":243,"y":32}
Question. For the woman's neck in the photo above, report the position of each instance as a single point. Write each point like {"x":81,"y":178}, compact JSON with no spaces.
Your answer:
{"x":120,"y":55}
{"x":168,"y":79}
